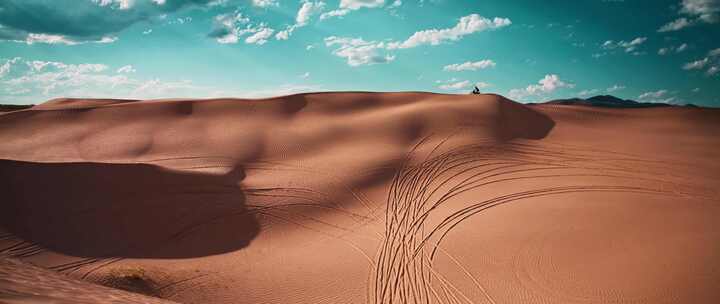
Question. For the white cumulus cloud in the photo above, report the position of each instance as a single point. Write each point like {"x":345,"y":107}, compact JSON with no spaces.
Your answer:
{"x":229,"y":27}
{"x":264,"y":3}
{"x":334,"y":13}
{"x":654,"y":94}
{"x":34,"y":81}
{"x":357,"y":4}
{"x":33,"y":38}
{"x":548,"y":84}
{"x":260,"y":36}
{"x":359,"y":52}
{"x":119,"y":4}
{"x":307,"y":10}
{"x":627,"y":46}
{"x":346,"y":6}
{"x":711,"y":62}
{"x":675,"y":25}
{"x":126,"y":69}
{"x":696,"y":11}
{"x":466,"y":25}
{"x":304,"y":15}
{"x":705,"y":10}
{"x":713,"y":70}
{"x":470,"y":66}
{"x":615,"y":88}
{"x":714,"y":53}
{"x":697,"y":64}
{"x":660,"y":96}
{"x":673,"y":49}
{"x":6,"y":67}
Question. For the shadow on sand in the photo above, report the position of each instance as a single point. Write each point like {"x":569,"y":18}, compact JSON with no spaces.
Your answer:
{"x":124,"y":210}
{"x":518,"y":121}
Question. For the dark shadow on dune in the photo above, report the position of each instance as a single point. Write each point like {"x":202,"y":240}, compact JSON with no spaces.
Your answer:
{"x":124,"y":210}
{"x":293,"y":104}
{"x":185,"y":107}
{"x":13,"y":107}
{"x":520,"y":121}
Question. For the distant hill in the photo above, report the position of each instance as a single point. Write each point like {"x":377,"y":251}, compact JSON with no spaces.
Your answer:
{"x":609,"y":101}
{"x":10,"y":108}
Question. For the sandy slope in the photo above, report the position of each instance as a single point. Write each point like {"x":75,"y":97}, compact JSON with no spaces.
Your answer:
{"x":26,"y":283}
{"x":367,"y":198}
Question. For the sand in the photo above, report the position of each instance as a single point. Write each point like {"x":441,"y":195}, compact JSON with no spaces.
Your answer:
{"x":362,"y":198}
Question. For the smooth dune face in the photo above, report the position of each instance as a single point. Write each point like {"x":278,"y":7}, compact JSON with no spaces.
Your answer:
{"x":365,"y":198}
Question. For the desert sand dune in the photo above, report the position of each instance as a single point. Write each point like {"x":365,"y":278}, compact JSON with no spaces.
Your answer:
{"x":26,"y":283}
{"x":364,"y":198}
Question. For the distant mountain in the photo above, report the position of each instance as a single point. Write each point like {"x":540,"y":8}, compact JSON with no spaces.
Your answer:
{"x":608,"y":101}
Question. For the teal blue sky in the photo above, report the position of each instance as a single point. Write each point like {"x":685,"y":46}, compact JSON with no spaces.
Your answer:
{"x":528,"y":50}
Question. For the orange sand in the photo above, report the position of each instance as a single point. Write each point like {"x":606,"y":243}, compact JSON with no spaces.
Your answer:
{"x":362,"y":198}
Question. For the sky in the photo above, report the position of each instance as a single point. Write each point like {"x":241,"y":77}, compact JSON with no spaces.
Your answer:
{"x":528,"y":50}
